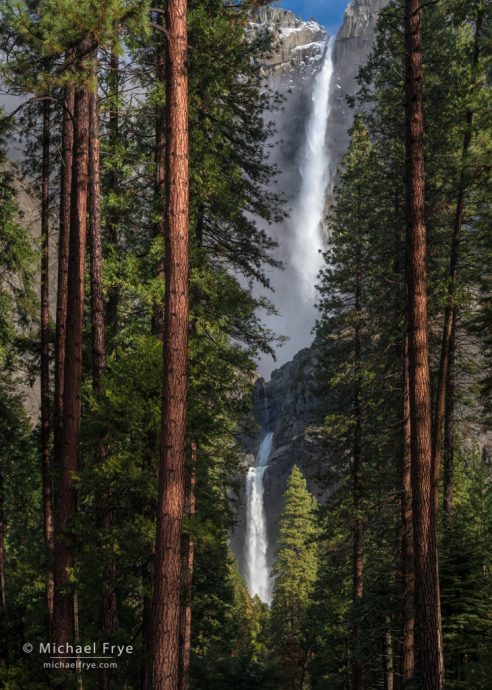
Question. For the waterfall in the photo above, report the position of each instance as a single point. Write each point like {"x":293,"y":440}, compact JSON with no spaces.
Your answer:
{"x":308,"y":211}
{"x":256,"y":546}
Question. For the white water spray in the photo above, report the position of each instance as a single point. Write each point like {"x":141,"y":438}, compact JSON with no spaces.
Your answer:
{"x":258,"y":575}
{"x":308,"y":211}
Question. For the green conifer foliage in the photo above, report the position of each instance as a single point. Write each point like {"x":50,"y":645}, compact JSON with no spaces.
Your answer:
{"x":295,"y":571}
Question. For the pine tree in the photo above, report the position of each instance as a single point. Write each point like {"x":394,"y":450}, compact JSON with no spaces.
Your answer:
{"x":295,"y":572}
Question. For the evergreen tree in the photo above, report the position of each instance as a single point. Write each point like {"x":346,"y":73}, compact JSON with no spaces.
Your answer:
{"x":295,"y":572}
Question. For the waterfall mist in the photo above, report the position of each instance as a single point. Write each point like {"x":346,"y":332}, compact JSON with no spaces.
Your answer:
{"x":305,"y":177}
{"x":307,"y":218}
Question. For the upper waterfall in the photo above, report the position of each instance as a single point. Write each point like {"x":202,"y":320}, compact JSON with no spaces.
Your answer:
{"x":307,"y":217}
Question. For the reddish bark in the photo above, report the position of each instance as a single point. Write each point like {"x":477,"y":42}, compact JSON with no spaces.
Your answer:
{"x":188,"y":554}
{"x":46,"y":470}
{"x":66,"y":499}
{"x":428,"y":607}
{"x":168,"y":564}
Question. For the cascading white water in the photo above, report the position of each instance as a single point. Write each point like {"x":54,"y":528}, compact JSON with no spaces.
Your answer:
{"x":258,"y":576}
{"x":307,"y":213}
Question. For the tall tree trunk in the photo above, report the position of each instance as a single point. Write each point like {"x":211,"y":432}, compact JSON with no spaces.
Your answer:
{"x":66,"y":498}
{"x":450,"y":309}
{"x":160,"y":163}
{"x":113,"y":217}
{"x":428,"y":605}
{"x":388,"y":657}
{"x":46,"y":472}
{"x":448,"y":488}
{"x":188,"y":554}
{"x":109,"y":610}
{"x":168,"y":564}
{"x":3,"y":620}
{"x":358,"y":564}
{"x":63,"y":250}
{"x":407,"y":660}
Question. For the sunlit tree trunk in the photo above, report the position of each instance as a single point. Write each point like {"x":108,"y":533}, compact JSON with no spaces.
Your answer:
{"x":168,"y":562}
{"x":428,"y":605}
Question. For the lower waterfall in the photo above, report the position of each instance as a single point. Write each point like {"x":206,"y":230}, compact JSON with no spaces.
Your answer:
{"x":258,"y":577}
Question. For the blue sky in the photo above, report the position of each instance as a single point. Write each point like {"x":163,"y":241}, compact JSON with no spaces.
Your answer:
{"x":326,"y":12}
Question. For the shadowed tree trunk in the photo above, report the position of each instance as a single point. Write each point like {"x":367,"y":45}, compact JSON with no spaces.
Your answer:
{"x":358,"y":537}
{"x":168,"y":562}
{"x":388,"y":657}
{"x":63,"y":248}
{"x":448,"y":483}
{"x":160,"y":149}
{"x":46,"y":471}
{"x":428,"y":606}
{"x":66,"y":499}
{"x":108,"y":678}
{"x":449,"y":328}
{"x":407,"y":660}
{"x":113,"y":215}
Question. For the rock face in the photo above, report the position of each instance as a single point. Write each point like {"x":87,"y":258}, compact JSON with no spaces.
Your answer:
{"x":353,"y":44}
{"x":297,"y":44}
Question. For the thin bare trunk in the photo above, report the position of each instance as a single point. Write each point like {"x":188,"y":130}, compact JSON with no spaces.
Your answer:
{"x":63,"y":250}
{"x":388,"y":657}
{"x":159,"y":192}
{"x":407,"y":660}
{"x":448,"y":488}
{"x":46,"y":471}
{"x":428,"y":605}
{"x":168,"y":563}
{"x":450,"y":310}
{"x":358,"y":536}
{"x":113,"y":217}
{"x":66,"y":498}
{"x":108,"y":678}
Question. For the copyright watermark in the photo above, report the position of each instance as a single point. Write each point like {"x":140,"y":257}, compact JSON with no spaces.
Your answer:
{"x":93,"y":655}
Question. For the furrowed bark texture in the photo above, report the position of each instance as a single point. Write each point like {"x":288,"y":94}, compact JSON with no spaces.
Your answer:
{"x":428,"y":606}
{"x":168,"y":563}
{"x":66,"y":500}
{"x":46,"y":471}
